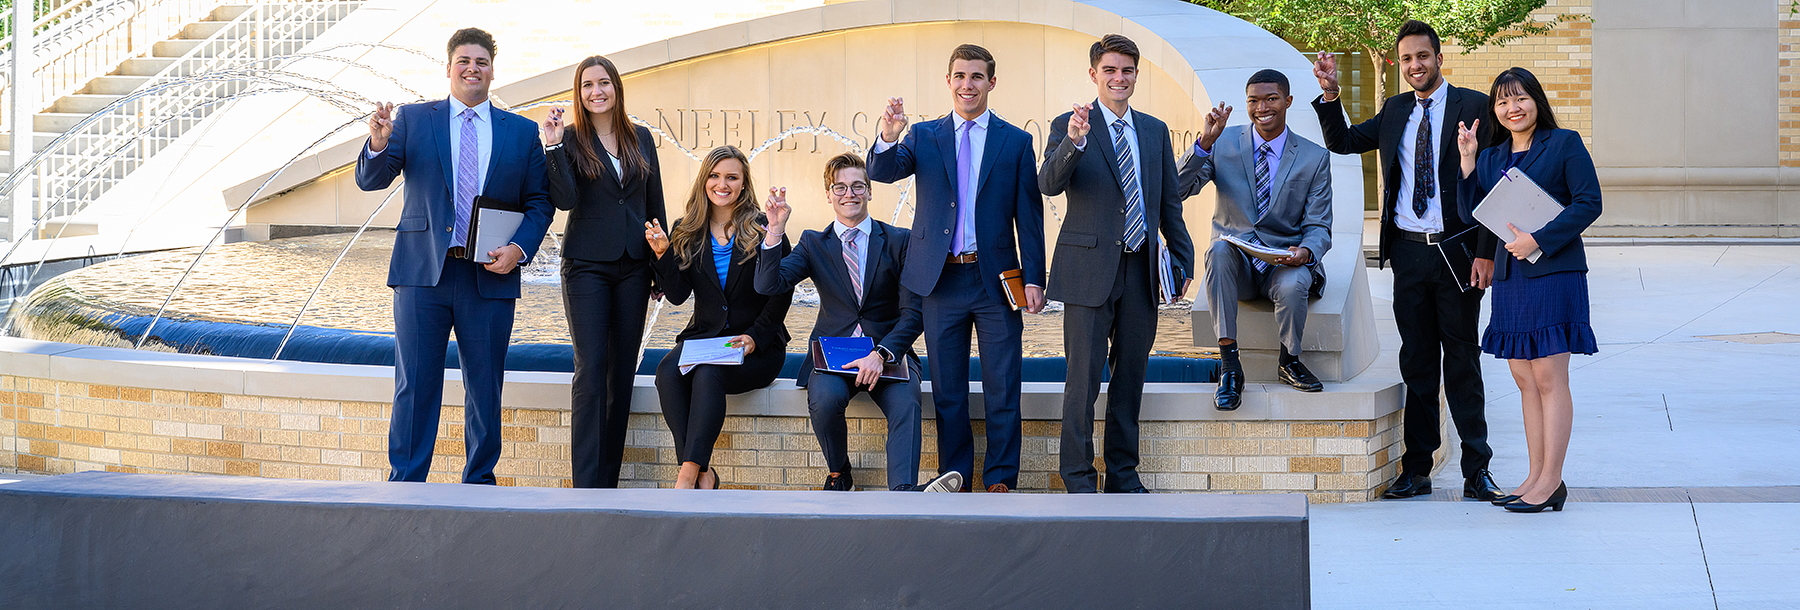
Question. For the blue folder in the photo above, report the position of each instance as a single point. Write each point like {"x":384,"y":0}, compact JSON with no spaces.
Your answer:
{"x":832,"y":354}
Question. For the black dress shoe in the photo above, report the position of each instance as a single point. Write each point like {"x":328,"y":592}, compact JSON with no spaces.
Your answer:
{"x":839,"y":482}
{"x":1295,"y":374}
{"x":1407,"y":486}
{"x":1481,"y":486}
{"x":1231,"y":390}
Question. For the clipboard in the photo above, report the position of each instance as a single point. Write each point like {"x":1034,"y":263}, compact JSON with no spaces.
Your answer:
{"x":1521,"y":202}
{"x":891,"y":371}
{"x":492,"y":223}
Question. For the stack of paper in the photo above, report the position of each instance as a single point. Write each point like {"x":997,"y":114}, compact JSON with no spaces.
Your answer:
{"x":1264,"y":253}
{"x":716,"y":350}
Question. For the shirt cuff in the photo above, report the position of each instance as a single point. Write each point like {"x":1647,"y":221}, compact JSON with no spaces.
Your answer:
{"x":553,"y":147}
{"x":1201,"y":152}
{"x":1082,"y":145}
{"x":370,"y":153}
{"x":524,"y":259}
{"x":881,"y":146}
{"x":886,"y":356}
{"x":765,"y":244}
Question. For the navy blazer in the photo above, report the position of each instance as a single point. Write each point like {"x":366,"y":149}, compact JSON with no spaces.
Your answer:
{"x":419,"y":148}
{"x":889,"y":313}
{"x":1559,"y":163}
{"x":1007,"y":197}
{"x":724,"y":311}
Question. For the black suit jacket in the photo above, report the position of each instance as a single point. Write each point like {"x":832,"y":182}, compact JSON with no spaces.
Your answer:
{"x":889,"y":313}
{"x":734,"y":309}
{"x":1092,"y":238}
{"x":1559,"y":163}
{"x":607,"y":214}
{"x":1385,"y":132}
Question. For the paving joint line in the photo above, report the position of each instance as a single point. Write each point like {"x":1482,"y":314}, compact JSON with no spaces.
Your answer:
{"x":1701,"y":538}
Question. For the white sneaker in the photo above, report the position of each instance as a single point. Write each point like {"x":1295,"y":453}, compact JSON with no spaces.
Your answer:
{"x":948,"y":482}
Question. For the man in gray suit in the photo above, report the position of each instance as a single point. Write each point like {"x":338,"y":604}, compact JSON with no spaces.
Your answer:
{"x":1274,"y":189}
{"x":1122,"y":194}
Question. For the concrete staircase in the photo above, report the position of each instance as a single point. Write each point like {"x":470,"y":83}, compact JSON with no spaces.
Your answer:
{"x":65,"y":113}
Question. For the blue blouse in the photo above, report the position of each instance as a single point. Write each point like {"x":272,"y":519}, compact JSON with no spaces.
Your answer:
{"x":722,"y":255}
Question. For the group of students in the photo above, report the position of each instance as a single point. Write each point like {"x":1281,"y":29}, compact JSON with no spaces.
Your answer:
{"x":979,"y":191}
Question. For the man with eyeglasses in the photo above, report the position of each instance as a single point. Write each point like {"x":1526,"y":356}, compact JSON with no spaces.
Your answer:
{"x":855,"y":265}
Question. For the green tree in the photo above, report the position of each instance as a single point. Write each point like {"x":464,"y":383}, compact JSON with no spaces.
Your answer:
{"x":1369,"y":25}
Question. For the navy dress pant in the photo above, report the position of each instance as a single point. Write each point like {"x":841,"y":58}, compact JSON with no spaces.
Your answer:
{"x":958,"y":305}
{"x":424,"y":317}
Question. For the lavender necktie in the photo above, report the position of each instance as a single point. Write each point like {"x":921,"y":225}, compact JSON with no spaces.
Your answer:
{"x":965,"y":190}
{"x":466,"y":164}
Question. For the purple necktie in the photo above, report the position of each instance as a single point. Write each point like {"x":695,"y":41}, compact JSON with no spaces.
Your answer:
{"x":466,"y":165}
{"x":965,"y":190}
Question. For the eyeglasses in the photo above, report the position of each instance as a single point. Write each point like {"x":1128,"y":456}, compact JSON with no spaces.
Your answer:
{"x":840,"y":189}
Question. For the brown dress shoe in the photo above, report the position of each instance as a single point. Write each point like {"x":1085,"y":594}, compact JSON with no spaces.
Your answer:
{"x":998,"y":488}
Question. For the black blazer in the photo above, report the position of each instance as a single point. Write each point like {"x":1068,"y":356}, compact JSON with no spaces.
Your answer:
{"x":607,"y":215}
{"x":1559,"y":163}
{"x":735,"y":309}
{"x":1092,"y":237}
{"x":889,"y":313}
{"x":1384,"y":133}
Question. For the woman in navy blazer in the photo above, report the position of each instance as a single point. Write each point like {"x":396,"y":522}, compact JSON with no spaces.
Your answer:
{"x":604,"y":171}
{"x":710,"y":254}
{"x":1540,"y":310}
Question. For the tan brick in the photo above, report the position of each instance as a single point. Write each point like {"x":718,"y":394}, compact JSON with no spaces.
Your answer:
{"x":206,"y":465}
{"x":1286,"y":446}
{"x":1288,"y":482}
{"x":91,"y":438}
{"x":365,"y":409}
{"x":1232,"y":447}
{"x":1315,"y":464}
{"x":1236,"y":481}
{"x":536,"y":417}
{"x":1313,"y":429}
{"x":224,"y":449}
{"x":325,"y":473}
{"x":172,"y":397}
{"x":1357,"y":429}
{"x":188,"y":446}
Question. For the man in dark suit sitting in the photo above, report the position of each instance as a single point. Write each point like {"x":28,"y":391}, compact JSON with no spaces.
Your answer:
{"x":1123,"y":203}
{"x":855,"y":265}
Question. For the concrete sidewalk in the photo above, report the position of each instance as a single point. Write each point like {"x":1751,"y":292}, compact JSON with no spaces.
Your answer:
{"x":1672,"y":429}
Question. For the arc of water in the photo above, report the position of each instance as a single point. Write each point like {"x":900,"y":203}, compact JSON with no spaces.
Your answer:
{"x":334,"y":265}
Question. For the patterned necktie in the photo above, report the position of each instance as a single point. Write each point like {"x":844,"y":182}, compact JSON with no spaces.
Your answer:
{"x":1262,"y":196}
{"x":855,"y":269}
{"x":965,"y":189}
{"x":1422,"y":174}
{"x":466,"y":164}
{"x":1128,"y":182}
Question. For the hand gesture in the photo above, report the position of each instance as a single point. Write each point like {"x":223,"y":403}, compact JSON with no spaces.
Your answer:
{"x":868,"y":369}
{"x":1325,"y":69}
{"x":1467,"y":144}
{"x":656,"y":237}
{"x":743,"y":341}
{"x":1078,"y":124}
{"x":778,"y":211}
{"x":553,"y":127}
{"x":1215,"y":125}
{"x":1522,"y":245}
{"x":893,"y":120}
{"x":381,"y":125}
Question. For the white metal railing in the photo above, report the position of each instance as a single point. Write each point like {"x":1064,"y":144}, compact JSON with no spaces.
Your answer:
{"x":83,"y":39}
{"x":100,"y":151}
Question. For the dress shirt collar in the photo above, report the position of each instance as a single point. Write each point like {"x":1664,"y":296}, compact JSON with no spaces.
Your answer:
{"x":481,"y":109}
{"x":1107,"y":115}
{"x":1437,"y":96}
{"x":1275,"y":145}
{"x":867,"y":223}
{"x":981,"y":122}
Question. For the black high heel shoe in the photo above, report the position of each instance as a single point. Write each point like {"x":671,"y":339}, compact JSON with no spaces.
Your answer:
{"x":1505,"y":500}
{"x":715,"y":475}
{"x":1554,"y":502}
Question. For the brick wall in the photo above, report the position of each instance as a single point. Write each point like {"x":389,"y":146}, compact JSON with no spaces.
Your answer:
{"x":1789,"y":107}
{"x":60,"y":427}
{"x":1561,"y":59}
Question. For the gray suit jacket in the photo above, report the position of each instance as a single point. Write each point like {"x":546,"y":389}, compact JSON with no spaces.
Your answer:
{"x":1300,"y":207}
{"x":1093,"y":231}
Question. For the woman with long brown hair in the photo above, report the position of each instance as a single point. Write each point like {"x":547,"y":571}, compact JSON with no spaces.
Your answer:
{"x":604,"y":171}
{"x":710,"y":254}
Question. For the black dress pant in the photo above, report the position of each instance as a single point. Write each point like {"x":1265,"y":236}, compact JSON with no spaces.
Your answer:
{"x":1128,"y":321}
{"x":693,"y":405}
{"x":1438,"y":320}
{"x":606,"y":303}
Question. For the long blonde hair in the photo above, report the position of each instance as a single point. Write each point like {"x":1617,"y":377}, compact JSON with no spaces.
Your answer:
{"x":688,"y":237}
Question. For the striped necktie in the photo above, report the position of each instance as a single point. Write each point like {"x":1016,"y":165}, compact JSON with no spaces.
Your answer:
{"x":855,"y":269}
{"x":466,"y":163}
{"x":1128,"y":182}
{"x":1262,"y":197}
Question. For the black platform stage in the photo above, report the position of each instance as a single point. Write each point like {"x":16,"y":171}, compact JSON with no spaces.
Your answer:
{"x":107,"y":540}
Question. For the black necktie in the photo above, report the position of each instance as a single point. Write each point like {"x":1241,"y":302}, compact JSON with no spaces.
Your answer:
{"x":1422,"y":178}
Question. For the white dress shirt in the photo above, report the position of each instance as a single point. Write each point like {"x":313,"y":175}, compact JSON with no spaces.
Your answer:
{"x":977,"y":145}
{"x":861,"y":241}
{"x":484,"y":140}
{"x":1433,"y":220}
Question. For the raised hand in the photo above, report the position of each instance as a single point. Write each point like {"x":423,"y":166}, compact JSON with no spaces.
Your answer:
{"x":778,"y":211}
{"x":656,"y":237}
{"x":1078,"y":124}
{"x":553,"y":127}
{"x":893,"y":120}
{"x":1467,"y":144}
{"x":1215,"y":125}
{"x":1325,"y":69}
{"x":381,"y":125}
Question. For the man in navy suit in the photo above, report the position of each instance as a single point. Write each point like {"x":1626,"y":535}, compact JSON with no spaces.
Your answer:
{"x":979,"y":214}
{"x":855,"y":265}
{"x":450,"y":151}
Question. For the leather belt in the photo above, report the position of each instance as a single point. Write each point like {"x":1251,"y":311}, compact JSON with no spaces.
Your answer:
{"x":1423,"y":238}
{"x":962,"y":259}
{"x":457,"y":252}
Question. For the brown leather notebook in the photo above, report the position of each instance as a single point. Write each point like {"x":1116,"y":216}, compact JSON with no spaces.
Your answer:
{"x":1013,"y":281}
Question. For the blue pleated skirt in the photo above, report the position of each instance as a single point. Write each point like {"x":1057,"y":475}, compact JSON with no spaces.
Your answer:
{"x":1534,"y":317}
